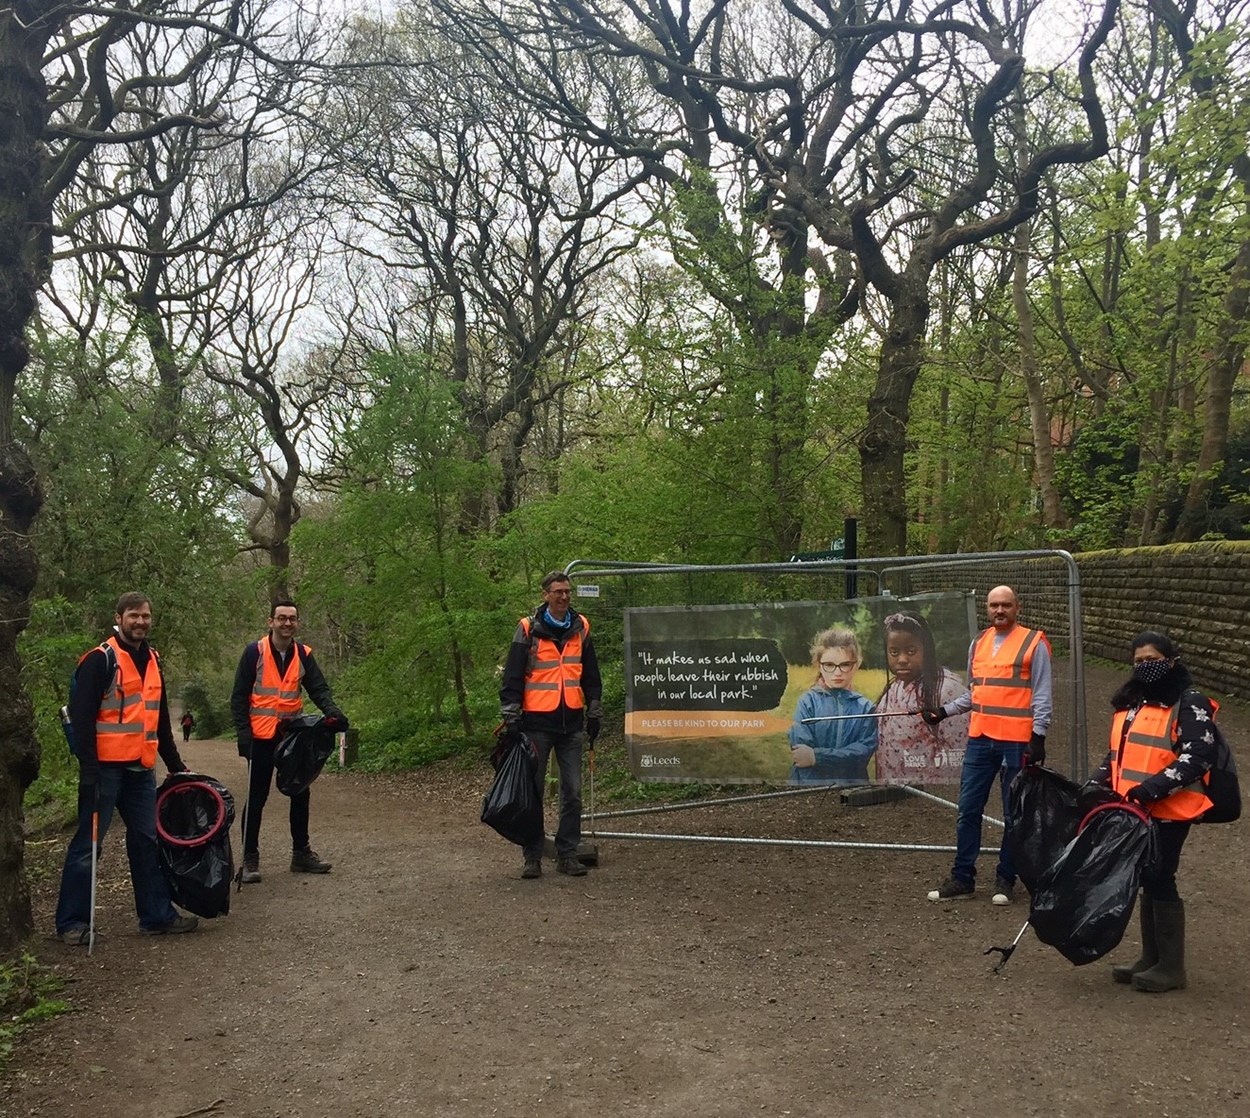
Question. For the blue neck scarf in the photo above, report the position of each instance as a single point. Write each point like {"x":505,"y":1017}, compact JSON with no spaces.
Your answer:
{"x":551,"y":623}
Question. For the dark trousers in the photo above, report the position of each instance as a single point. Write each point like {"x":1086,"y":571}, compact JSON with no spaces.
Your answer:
{"x":132,"y":794}
{"x":1159,"y":881}
{"x":568,"y":750}
{"x":261,"y":770}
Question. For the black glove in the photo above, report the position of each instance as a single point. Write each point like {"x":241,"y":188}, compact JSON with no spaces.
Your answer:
{"x":335,"y":722}
{"x":89,"y":789}
{"x":592,"y":730}
{"x":933,"y":715}
{"x":512,"y":719}
{"x":1037,"y":749}
{"x":245,"y":746}
{"x":1139,"y":794}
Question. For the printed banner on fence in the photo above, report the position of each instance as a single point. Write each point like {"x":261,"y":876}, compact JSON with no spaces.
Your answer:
{"x":797,"y":692}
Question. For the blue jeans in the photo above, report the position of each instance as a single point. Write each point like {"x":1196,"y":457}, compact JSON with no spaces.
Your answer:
{"x":568,"y":748}
{"x":133,"y":793}
{"x":984,"y":759}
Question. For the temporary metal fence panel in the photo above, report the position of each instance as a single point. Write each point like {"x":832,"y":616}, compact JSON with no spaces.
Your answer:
{"x":1046,"y":582}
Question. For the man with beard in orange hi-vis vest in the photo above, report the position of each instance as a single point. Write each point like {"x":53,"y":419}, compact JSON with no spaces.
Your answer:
{"x":120,"y":717}
{"x":266,"y":690}
{"x":1009,"y":696}
{"x":552,"y":691}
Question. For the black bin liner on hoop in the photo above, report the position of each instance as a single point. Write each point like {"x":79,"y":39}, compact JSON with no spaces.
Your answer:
{"x":1084,"y":901}
{"x":512,"y":804}
{"x":193,"y":817}
{"x":302,"y":753}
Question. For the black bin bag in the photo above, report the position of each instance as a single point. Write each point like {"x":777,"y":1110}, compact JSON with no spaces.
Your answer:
{"x":1044,"y":812}
{"x":1084,"y":901}
{"x":193,"y":818}
{"x":512,"y":805}
{"x":302,"y":753}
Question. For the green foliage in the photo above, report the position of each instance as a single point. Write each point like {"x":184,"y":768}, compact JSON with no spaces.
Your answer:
{"x":26,"y":998}
{"x":123,"y":509}
{"x":211,"y":713}
{"x":50,"y":649}
{"x":425,"y":622}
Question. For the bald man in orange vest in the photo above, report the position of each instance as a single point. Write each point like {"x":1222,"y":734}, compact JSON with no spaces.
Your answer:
{"x":1009,"y":695}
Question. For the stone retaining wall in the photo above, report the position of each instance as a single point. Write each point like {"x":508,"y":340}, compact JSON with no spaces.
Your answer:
{"x":1199,"y":594}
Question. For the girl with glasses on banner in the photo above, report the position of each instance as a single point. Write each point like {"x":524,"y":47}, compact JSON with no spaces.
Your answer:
{"x":909,"y":751}
{"x":829,"y":742}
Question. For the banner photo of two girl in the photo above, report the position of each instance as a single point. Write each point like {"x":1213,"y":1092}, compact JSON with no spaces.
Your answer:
{"x":798,"y":692}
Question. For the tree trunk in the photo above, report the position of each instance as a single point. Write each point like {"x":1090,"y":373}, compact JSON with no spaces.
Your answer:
{"x":1053,"y":515}
{"x":1229,"y":356}
{"x":25,"y":260}
{"x":884,"y":441}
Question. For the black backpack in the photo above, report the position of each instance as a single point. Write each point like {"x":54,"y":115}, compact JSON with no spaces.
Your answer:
{"x":1221,"y":785}
{"x":67,"y":728}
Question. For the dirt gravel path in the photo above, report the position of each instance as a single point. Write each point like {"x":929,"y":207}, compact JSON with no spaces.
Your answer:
{"x":423,"y":977}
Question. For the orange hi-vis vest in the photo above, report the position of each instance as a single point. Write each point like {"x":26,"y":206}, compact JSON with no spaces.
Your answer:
{"x":1146,"y":746}
{"x":1002,"y":690}
{"x":276,"y":696}
{"x":555,"y":671}
{"x":130,"y":710}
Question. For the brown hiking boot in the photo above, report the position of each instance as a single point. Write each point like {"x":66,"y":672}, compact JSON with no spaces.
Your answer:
{"x":306,"y":861}
{"x":251,"y":870}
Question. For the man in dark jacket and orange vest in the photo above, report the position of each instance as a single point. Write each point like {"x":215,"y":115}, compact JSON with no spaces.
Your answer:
{"x":552,"y":690}
{"x":1009,"y":695}
{"x":266,"y":690}
{"x":120,"y":721}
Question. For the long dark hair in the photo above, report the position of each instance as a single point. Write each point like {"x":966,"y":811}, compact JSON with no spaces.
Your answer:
{"x":931,"y":672}
{"x":1132,"y":692}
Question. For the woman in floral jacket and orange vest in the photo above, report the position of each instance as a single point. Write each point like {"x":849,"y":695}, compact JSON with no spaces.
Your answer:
{"x":1163,"y":743}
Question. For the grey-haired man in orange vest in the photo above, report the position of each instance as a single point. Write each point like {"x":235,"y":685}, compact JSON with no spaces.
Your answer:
{"x":1009,"y":695}
{"x":552,"y":690}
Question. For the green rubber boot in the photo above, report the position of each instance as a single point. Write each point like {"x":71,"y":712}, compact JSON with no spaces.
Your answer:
{"x":1149,"y":950}
{"x":1169,"y":972}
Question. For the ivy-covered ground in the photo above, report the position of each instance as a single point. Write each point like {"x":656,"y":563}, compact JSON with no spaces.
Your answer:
{"x":422,"y":977}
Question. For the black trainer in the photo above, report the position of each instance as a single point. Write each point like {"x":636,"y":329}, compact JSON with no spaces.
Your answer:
{"x":571,"y":866}
{"x":533,"y":868}
{"x":250,"y":873}
{"x":952,"y":889}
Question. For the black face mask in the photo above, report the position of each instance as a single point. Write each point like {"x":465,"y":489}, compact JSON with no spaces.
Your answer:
{"x":1149,"y":672}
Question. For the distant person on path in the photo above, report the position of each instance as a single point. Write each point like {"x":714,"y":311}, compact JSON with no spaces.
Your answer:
{"x":835,"y":751}
{"x":267,"y":687}
{"x":909,"y":751}
{"x":1163,"y":742}
{"x":552,"y":691}
{"x":188,"y":724}
{"x":120,"y":720}
{"x":1009,"y":695}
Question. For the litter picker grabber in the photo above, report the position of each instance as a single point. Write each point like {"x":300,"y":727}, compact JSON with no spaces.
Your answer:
{"x":588,"y":852}
{"x":1006,"y":952}
{"x":95,"y":866}
{"x":247,"y":796}
{"x":870,"y":714}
